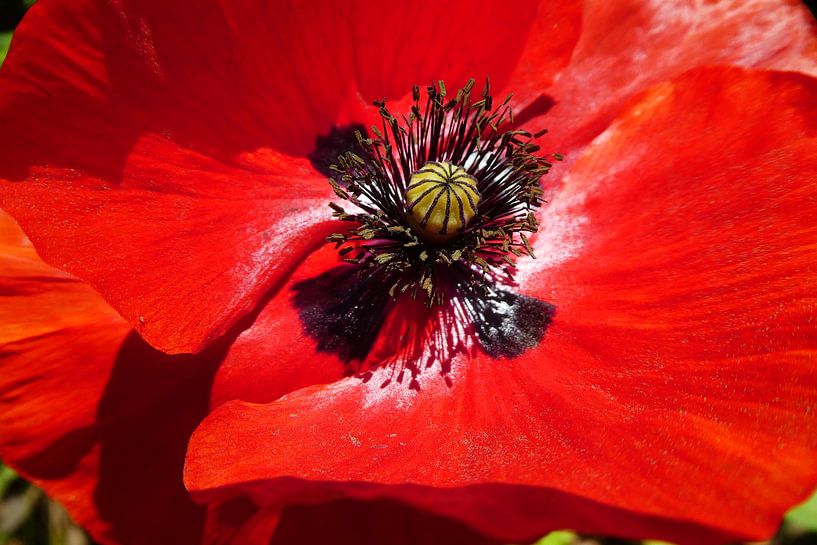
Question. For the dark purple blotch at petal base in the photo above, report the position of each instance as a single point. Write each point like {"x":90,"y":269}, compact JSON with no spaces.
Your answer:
{"x":330,"y":146}
{"x":344,"y":313}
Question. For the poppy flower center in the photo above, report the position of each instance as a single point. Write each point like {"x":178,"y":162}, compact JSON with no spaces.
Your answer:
{"x":441,"y":200}
{"x":444,"y":195}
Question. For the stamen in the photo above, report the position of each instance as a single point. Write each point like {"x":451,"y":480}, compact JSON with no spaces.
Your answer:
{"x":445,"y":197}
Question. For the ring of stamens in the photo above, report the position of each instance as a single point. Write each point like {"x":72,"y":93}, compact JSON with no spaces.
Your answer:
{"x":416,"y":184}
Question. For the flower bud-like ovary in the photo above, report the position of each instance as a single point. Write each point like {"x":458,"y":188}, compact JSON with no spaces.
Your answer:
{"x":441,"y":199}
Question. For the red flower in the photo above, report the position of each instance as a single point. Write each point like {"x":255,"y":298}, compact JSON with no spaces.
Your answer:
{"x":161,"y":154}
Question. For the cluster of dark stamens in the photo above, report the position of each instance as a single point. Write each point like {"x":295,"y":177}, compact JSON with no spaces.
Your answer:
{"x":460,"y":131}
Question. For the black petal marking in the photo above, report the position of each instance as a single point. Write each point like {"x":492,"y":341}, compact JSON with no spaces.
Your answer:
{"x":342,"y":311}
{"x":508,"y":324}
{"x":330,"y":146}
{"x":344,"y":314}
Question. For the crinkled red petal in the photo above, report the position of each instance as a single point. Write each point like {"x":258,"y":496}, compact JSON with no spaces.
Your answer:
{"x":101,"y":420}
{"x":149,"y":148}
{"x":627,"y":46}
{"x":131,"y":171}
{"x":397,"y":44}
{"x":672,"y":395}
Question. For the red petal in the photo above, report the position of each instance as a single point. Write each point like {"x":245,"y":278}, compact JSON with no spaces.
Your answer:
{"x":629,"y":45}
{"x":182,"y":236}
{"x":672,"y":397}
{"x":276,"y":356}
{"x":378,"y":522}
{"x":96,"y":417}
{"x":151,"y":161}
{"x":99,"y":424}
{"x":400,"y":44}
{"x":344,"y":522}
{"x":180,"y":265}
{"x":132,"y":162}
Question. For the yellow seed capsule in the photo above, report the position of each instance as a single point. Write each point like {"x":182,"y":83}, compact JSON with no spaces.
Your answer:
{"x":441,"y":200}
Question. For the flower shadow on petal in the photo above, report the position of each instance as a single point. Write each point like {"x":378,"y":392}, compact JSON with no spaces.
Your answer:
{"x":151,"y":404}
{"x":539,"y":106}
{"x":383,"y":522}
{"x":152,"y":431}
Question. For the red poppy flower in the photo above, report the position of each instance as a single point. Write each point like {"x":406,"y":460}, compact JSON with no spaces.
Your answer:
{"x":651,"y":373}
